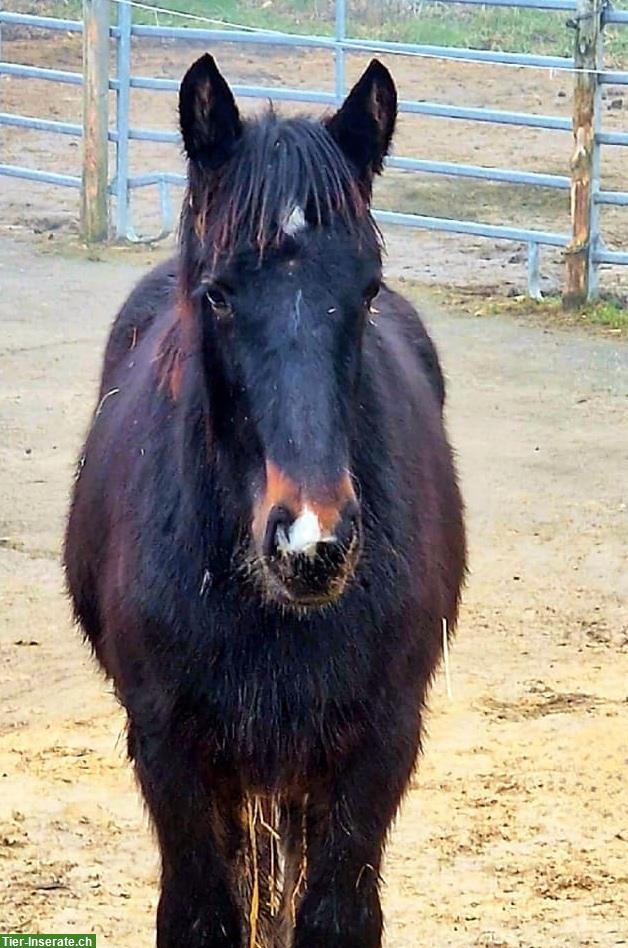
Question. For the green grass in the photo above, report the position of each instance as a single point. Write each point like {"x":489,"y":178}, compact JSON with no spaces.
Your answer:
{"x":515,"y":30}
{"x":292,"y":17}
{"x":608,"y":315}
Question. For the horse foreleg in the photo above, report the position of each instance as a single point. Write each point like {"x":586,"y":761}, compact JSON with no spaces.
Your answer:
{"x":197,"y":830}
{"x":342,"y":851}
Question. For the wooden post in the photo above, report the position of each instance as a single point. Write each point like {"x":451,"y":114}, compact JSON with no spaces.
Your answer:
{"x":585,"y":155}
{"x":94,"y":197}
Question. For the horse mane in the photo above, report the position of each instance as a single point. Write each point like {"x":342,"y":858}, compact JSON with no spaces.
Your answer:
{"x":277,"y":165}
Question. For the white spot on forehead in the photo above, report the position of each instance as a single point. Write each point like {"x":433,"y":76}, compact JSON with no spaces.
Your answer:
{"x":303,"y":534}
{"x":294,"y":222}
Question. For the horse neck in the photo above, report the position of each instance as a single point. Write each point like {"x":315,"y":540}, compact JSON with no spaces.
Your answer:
{"x":208,"y":454}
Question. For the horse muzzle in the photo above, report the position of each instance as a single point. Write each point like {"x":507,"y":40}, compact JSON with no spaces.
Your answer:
{"x":308,"y":542}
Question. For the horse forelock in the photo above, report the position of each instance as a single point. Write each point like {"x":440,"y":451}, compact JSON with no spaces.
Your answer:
{"x":285,"y":175}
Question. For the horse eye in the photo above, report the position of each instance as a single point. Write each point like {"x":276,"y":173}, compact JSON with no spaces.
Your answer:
{"x":218,"y":302}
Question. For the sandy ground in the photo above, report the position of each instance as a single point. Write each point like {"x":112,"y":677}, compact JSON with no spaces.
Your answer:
{"x":436,"y":258}
{"x":515,"y":831}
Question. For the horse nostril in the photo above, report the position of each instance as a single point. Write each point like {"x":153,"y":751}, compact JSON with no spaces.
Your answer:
{"x":309,"y":557}
{"x":277,"y":528}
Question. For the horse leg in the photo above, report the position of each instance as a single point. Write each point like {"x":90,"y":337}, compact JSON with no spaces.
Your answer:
{"x":199,"y":838}
{"x":342,"y":847}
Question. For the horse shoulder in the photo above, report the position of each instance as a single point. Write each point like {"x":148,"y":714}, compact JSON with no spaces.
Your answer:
{"x":414,"y":345}
{"x":153,"y":296}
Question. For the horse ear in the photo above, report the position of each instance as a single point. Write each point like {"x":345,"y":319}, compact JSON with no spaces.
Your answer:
{"x":208,"y":116}
{"x":364,"y":125}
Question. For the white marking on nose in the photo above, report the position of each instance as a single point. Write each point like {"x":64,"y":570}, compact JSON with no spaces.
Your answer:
{"x":295,"y":222}
{"x":303,"y":535}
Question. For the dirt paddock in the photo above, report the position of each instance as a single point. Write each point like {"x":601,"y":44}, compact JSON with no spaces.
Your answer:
{"x":515,"y":830}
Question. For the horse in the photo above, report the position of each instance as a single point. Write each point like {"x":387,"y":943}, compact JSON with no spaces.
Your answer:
{"x":266,"y":534}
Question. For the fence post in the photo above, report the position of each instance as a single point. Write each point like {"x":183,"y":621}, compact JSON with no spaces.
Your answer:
{"x":94,"y":196}
{"x":341,"y":32}
{"x":123,"y":71}
{"x":534,"y":277}
{"x":579,"y":264}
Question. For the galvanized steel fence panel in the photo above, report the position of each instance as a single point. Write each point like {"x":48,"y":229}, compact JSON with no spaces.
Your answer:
{"x":123,"y":183}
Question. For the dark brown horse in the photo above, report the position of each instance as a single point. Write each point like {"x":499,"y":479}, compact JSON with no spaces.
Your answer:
{"x":266,"y":532}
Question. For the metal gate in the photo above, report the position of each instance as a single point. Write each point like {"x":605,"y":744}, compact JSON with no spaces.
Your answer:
{"x":584,"y":247}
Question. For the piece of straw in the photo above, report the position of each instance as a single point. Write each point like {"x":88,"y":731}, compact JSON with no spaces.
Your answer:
{"x":302,"y":877}
{"x":446,"y":659}
{"x":254,"y":910}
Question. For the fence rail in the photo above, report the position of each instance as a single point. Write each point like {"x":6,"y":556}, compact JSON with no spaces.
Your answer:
{"x":584,"y":248}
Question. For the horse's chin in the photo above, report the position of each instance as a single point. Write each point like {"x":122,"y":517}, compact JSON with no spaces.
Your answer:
{"x":294,"y":596}
{"x":303,"y":603}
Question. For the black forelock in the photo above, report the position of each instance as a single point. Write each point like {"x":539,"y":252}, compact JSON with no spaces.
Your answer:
{"x":277,"y":165}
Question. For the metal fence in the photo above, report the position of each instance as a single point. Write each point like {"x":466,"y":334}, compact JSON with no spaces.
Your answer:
{"x":584,"y":247}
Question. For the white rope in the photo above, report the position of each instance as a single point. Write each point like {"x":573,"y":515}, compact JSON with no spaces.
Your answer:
{"x":365,"y":46}
{"x":196,"y":17}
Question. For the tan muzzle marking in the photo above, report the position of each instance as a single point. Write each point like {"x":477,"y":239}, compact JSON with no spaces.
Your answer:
{"x":318,"y":510}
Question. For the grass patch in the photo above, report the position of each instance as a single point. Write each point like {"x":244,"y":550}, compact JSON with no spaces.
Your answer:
{"x":508,"y":29}
{"x":608,"y":315}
